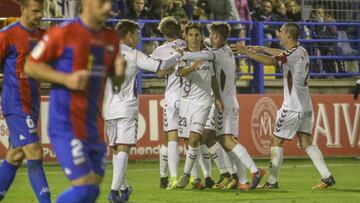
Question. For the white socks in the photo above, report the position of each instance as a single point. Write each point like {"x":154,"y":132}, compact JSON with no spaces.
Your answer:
{"x":240,"y":168}
{"x":192,"y":155}
{"x":245,"y":158}
{"x":275,"y":163}
{"x":318,"y":160}
{"x":120,"y":161}
{"x":195,"y":171}
{"x":217,"y":155}
{"x":163,"y":156}
{"x":173,"y":157}
{"x":205,"y":161}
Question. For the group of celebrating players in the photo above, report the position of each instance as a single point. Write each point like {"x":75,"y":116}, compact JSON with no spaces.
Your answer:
{"x":93,"y":88}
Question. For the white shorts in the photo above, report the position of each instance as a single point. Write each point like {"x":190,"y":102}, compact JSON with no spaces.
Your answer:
{"x":192,"y":118}
{"x":288,"y":123}
{"x":171,"y":116}
{"x":210,"y":122}
{"x":227,"y":122}
{"x":122,"y":131}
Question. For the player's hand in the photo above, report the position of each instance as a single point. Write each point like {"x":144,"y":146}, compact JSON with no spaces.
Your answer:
{"x":239,"y":48}
{"x":219,"y":105}
{"x":180,"y":51}
{"x":357,"y":90}
{"x":120,"y":66}
{"x":77,"y":80}
{"x":197,"y":64}
{"x":254,"y":48}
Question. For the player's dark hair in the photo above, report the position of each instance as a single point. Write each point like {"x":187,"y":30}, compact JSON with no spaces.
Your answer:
{"x":221,"y":28}
{"x":26,"y":2}
{"x":170,"y":27}
{"x":293,"y":29}
{"x":123,"y":27}
{"x":192,"y":25}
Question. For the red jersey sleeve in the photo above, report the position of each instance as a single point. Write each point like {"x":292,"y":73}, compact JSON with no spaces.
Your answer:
{"x":49,"y":48}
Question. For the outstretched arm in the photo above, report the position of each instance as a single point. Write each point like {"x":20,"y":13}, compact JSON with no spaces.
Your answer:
{"x":262,"y":58}
{"x":267,"y":50}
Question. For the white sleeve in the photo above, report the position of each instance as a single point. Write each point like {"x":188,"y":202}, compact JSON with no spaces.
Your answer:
{"x":202,"y":55}
{"x":145,"y":62}
{"x":170,"y":62}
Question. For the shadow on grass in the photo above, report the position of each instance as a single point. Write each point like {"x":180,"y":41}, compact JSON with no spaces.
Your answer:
{"x":350,"y":190}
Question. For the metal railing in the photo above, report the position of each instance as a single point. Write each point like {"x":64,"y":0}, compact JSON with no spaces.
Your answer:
{"x":256,"y":36}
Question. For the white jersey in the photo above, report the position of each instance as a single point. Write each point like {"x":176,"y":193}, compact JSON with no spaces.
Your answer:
{"x":123,"y":102}
{"x":295,"y":64}
{"x":225,"y":67}
{"x":196,"y":86}
{"x":172,"y":87}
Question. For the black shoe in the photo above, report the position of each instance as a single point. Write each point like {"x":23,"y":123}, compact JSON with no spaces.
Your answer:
{"x":164,"y":182}
{"x":325,"y":183}
{"x":209,"y":183}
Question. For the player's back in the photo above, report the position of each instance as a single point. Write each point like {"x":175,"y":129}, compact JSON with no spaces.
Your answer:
{"x":196,"y":86}
{"x":296,"y":66}
{"x":172,"y":87}
{"x":70,"y":47}
{"x":225,"y":69}
{"x":20,"y":94}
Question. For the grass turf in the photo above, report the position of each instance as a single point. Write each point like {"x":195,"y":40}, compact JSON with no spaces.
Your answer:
{"x":296,"y":178}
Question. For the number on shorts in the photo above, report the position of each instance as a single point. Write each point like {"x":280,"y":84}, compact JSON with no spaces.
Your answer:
{"x":182,"y":121}
{"x":77,"y":152}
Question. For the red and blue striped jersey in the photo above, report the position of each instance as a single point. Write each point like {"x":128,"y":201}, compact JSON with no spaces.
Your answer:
{"x":70,"y":47}
{"x":20,"y":94}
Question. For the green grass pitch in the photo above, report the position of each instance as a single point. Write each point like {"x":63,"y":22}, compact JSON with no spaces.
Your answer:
{"x":296,"y":178}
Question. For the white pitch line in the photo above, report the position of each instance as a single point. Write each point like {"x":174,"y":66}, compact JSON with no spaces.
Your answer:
{"x":156,"y":169}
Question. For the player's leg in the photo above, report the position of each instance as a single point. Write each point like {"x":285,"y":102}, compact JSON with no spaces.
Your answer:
{"x":230,"y":144}
{"x":205,"y":162}
{"x":34,"y":155}
{"x":122,"y":135}
{"x":125,"y":190}
{"x":23,"y":134}
{"x":173,"y":156}
{"x":217,"y":155}
{"x":276,"y":159}
{"x":163,"y":163}
{"x":239,"y":179}
{"x":317,"y":158}
{"x":73,"y":157}
{"x":8,"y":168}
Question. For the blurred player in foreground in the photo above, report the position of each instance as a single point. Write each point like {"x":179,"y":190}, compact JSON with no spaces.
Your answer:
{"x":77,"y":57}
{"x":21,"y":100}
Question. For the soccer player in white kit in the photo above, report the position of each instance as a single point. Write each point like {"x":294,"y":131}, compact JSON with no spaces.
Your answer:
{"x":294,"y":116}
{"x":225,"y":124}
{"x":121,"y":103}
{"x":197,"y":82}
{"x":169,"y":153}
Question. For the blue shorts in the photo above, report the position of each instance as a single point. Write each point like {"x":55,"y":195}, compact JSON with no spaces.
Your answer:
{"x":77,"y":157}
{"x":22,"y":129}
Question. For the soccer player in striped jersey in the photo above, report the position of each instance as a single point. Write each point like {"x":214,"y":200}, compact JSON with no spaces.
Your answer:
{"x":169,"y":153}
{"x":21,"y":100}
{"x":77,"y":57}
{"x":121,"y":102}
{"x":295,"y":115}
